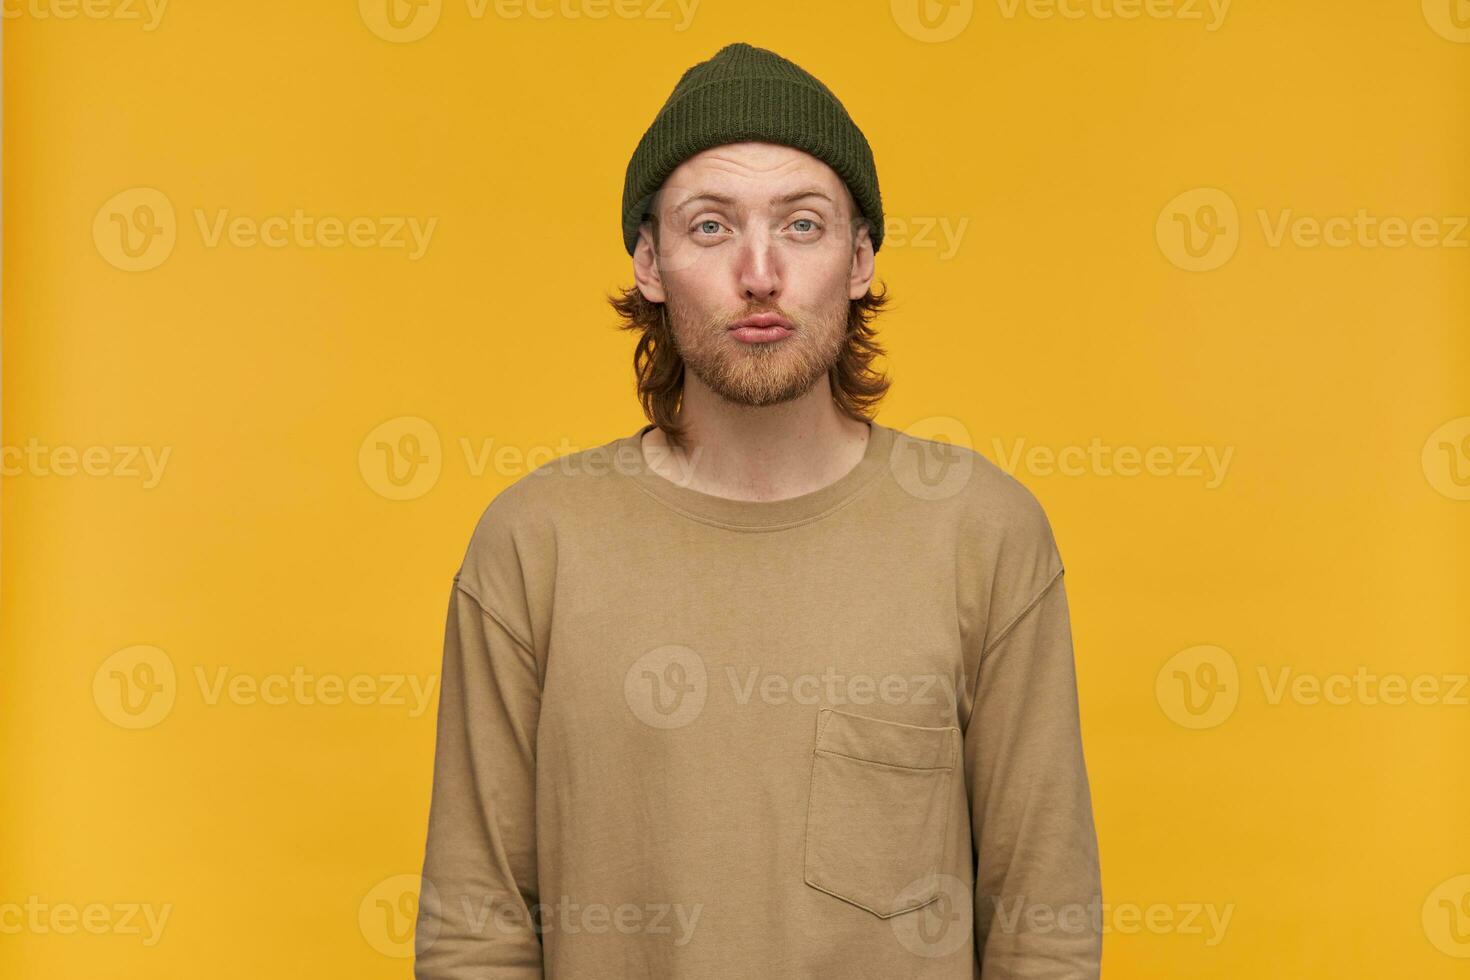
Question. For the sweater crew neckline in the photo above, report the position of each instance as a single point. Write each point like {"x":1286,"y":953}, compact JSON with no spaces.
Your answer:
{"x":757,"y":515}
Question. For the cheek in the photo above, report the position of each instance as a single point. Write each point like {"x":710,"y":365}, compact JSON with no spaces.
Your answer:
{"x":817,"y":291}
{"x":823,"y":273}
{"x":694,"y":270}
{"x":705,"y":288}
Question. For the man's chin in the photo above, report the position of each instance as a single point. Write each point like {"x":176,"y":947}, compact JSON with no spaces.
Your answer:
{"x":760,"y":389}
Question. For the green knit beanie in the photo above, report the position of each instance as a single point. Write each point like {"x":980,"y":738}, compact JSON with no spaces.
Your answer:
{"x":749,"y":93}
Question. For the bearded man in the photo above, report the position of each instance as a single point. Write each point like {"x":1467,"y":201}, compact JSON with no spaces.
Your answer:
{"x":766,"y":689}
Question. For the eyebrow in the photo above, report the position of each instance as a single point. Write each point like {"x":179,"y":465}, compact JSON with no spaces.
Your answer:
{"x":730,"y":201}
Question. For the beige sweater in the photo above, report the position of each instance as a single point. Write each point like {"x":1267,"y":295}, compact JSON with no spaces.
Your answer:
{"x":684,"y":736}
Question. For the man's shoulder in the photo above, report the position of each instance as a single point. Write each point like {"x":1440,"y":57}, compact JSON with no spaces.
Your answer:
{"x":986,"y":501}
{"x":1005,"y":553}
{"x":516,"y":532}
{"x":558,"y":486}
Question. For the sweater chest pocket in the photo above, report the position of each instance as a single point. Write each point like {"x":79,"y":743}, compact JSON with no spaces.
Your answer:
{"x":878,"y":810}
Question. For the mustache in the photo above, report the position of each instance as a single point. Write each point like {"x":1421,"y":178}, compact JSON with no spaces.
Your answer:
{"x":726,"y":321}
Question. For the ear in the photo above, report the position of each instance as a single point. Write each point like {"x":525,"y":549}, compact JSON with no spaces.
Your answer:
{"x":862,"y":263}
{"x":645,"y":266}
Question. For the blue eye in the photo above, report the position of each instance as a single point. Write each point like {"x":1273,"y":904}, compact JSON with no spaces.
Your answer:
{"x":704,"y":226}
{"x":808,"y":221}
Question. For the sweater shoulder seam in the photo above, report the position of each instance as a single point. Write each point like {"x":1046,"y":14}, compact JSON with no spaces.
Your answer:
{"x":1006,"y":629}
{"x":497,"y":618}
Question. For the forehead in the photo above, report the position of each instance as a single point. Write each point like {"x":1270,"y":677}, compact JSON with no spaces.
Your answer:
{"x":751,"y":172}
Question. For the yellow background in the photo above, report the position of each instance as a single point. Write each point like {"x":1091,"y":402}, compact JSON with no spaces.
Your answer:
{"x":1331,"y":834}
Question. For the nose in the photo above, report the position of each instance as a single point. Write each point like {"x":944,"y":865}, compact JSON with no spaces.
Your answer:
{"x":760,"y":277}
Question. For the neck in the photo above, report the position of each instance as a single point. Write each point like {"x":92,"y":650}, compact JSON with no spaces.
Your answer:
{"x":770,"y":452}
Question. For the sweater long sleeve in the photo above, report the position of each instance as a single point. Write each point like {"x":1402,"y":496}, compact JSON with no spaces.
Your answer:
{"x":479,"y":872}
{"x":1038,"y":887}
